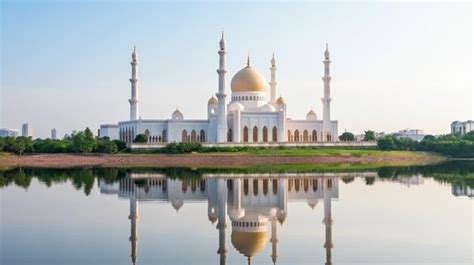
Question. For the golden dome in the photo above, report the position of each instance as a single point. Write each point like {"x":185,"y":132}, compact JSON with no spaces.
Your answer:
{"x":212,"y":101}
{"x":248,"y":80}
{"x":280,"y":101}
{"x":249,"y":243}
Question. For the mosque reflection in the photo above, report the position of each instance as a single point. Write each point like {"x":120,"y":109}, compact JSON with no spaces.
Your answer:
{"x":249,"y":201}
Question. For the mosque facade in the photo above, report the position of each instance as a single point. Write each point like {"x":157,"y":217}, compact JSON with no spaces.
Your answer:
{"x":247,"y":116}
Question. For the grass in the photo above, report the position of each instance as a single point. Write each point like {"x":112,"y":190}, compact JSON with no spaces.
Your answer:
{"x":319,"y":152}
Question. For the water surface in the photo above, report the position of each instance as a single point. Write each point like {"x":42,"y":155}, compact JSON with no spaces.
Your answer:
{"x":416,"y":215}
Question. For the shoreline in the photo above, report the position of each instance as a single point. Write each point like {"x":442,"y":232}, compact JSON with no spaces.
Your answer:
{"x":208,"y":160}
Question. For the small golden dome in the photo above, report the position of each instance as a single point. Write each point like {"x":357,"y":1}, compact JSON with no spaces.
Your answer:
{"x":212,"y":101}
{"x":249,"y":243}
{"x":248,"y":80}
{"x":280,"y":100}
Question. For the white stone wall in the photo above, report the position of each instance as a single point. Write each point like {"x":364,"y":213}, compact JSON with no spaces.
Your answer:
{"x":109,"y":130}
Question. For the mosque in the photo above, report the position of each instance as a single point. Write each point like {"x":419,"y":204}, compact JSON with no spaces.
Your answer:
{"x":248,"y":117}
{"x":251,"y":204}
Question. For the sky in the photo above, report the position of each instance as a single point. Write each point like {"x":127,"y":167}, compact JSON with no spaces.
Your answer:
{"x":66,"y":65}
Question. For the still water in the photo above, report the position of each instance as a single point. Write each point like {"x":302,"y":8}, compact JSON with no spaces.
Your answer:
{"x":416,"y":215}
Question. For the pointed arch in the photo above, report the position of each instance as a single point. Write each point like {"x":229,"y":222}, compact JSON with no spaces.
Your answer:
{"x":275,"y":186}
{"x":274,"y":134}
{"x":265,"y":187}
{"x":246,"y":187}
{"x":193,"y":136}
{"x":229,"y":135}
{"x":265,"y":134}
{"x":163,"y":136}
{"x":184,"y":136}
{"x":289,"y":136}
{"x":297,"y":136}
{"x":314,"y":136}
{"x":246,"y":134}
{"x":202,"y":136}
{"x":305,"y":136}
{"x":255,"y":134}
{"x":255,"y":187}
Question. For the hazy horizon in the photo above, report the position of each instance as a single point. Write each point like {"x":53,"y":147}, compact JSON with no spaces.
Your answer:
{"x":394,"y":65}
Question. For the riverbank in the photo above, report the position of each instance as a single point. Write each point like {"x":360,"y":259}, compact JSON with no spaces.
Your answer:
{"x":238,"y":159}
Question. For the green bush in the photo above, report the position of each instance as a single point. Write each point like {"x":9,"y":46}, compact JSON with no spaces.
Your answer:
{"x":181,"y":148}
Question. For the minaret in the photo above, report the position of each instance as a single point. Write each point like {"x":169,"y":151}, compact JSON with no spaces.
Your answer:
{"x":133,"y":81}
{"x":273,"y":82}
{"x":221,"y":111}
{"x":328,"y":224}
{"x":274,"y":239}
{"x":327,"y":96}
{"x":133,"y":228}
{"x":221,"y":219}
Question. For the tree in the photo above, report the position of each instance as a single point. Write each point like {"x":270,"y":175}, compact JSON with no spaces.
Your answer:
{"x":106,"y":146}
{"x":386,"y":143}
{"x":347,"y":136}
{"x":429,"y":138}
{"x":469,"y":136}
{"x":2,"y":143}
{"x":140,"y":138}
{"x":120,"y":144}
{"x":89,"y":135}
{"x":81,"y":144}
{"x":369,"y":135}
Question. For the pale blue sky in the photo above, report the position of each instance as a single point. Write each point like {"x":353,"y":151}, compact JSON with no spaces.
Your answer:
{"x":395,"y":65}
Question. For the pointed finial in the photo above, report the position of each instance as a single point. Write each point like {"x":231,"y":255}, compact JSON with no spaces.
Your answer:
{"x":273,"y":59}
{"x":248,"y":59}
{"x":222,"y":41}
{"x":134,"y":48}
{"x":326,"y":52}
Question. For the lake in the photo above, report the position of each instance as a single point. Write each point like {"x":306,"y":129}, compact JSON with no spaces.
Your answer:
{"x":389,"y":215}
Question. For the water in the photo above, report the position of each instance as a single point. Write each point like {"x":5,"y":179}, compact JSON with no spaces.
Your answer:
{"x":417,"y":215}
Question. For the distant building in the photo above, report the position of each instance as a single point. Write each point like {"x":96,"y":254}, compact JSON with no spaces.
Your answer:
{"x":414,"y":134}
{"x":54,"y":134}
{"x":459,"y":127}
{"x":109,"y":130}
{"x":462,"y":190}
{"x":26,"y":130}
{"x":9,"y":132}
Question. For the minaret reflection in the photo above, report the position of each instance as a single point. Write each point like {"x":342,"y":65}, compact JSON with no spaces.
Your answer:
{"x":252,"y":202}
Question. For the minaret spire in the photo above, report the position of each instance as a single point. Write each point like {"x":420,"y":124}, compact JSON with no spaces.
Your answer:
{"x":327,"y":132}
{"x":248,"y":59}
{"x":273,"y":82}
{"x":274,"y":239}
{"x":328,"y":245}
{"x":221,"y":110}
{"x":133,"y":81}
{"x":133,"y":227}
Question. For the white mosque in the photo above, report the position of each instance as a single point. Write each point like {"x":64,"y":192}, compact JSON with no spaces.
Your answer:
{"x":248,"y":117}
{"x":250,"y":204}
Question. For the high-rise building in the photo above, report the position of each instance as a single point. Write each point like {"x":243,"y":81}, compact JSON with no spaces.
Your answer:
{"x":26,"y":130}
{"x":9,"y":132}
{"x":54,"y":134}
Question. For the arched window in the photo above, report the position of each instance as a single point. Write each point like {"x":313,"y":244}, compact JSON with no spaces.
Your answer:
{"x":184,"y":136}
{"x":297,"y":136}
{"x":297,"y":185}
{"x":229,"y":135}
{"x":329,"y":184}
{"x":314,"y":136}
{"x":193,"y":136}
{"x":305,"y":136}
{"x":274,"y":134}
{"x":255,"y":187}
{"x":289,"y":136}
{"x":265,"y":134}
{"x":255,"y":134}
{"x":275,"y":186}
{"x":290,"y":185}
{"x":246,"y":134}
{"x":163,"y":136}
{"x":315,"y":184}
{"x":202,"y":136}
{"x":246,"y":187}
{"x":265,"y":187}
{"x":329,"y":137}
{"x":202,"y":185}
{"x":305,"y":185}
{"x":193,"y":186}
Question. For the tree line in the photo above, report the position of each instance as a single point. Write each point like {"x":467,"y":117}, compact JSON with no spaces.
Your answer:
{"x":453,"y":145}
{"x":81,"y":142}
